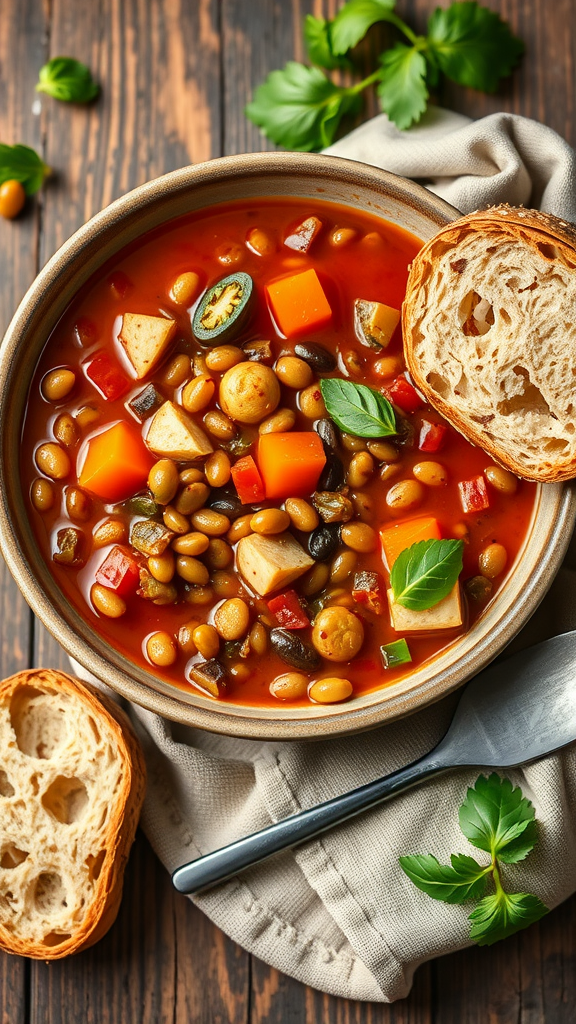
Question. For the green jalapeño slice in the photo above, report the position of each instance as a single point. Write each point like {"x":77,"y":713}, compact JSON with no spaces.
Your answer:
{"x":224,"y":309}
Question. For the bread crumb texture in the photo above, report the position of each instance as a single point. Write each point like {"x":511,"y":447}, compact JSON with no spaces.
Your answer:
{"x":490,"y":336}
{"x":72,"y":781}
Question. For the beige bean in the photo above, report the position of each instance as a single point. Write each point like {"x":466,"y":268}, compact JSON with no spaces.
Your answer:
{"x":360,"y":469}
{"x":240,"y":528}
{"x":163,"y":481}
{"x":191,"y":475}
{"x":107,"y":602}
{"x":293,"y":372}
{"x":217,"y":469}
{"x":175,"y":521}
{"x":279,"y":422}
{"x":161,"y":649}
{"x":405,"y":495}
{"x":331,"y":690}
{"x":53,"y":461}
{"x":311,"y":403}
{"x":352,"y":443}
{"x":200,"y":595}
{"x":258,"y":639}
{"x":111,"y":531}
{"x":315,"y":580}
{"x":224,"y":357}
{"x":384,"y":451}
{"x":191,"y":544}
{"x":42,"y":494}
{"x":66,"y":429}
{"x":289,"y":686}
{"x":186,"y":638}
{"x":232,"y":619}
{"x":219,"y":553}
{"x":460,"y":531}
{"x":240,"y":672}
{"x":88,"y":416}
{"x":343,"y":565}
{"x":363,"y":505}
{"x":390,"y":470}
{"x":78,"y":504}
{"x":225,"y":584}
{"x":207,"y":641}
{"x":219,"y":425}
{"x":431,"y":474}
{"x":229,"y":254}
{"x":57,"y":384}
{"x":501,"y":480}
{"x":212,"y":523}
{"x":199,"y":367}
{"x":354,"y":363}
{"x":260,"y":242}
{"x":192,"y":570}
{"x":492,"y":560}
{"x":303,"y":516}
{"x":388,"y":366}
{"x":198,"y":393}
{"x":359,"y":537}
{"x":191,"y":498}
{"x":176,"y":371}
{"x":185,"y":288}
{"x":163,"y":566}
{"x":342,"y":236}
{"x":270,"y":521}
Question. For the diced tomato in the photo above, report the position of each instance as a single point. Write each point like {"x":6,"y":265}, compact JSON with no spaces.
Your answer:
{"x":474,"y":494}
{"x":290,"y":463}
{"x":288,"y":611}
{"x":119,"y":572}
{"x":432,"y":436}
{"x":404,"y":395}
{"x":247,"y":481}
{"x":107,"y":376}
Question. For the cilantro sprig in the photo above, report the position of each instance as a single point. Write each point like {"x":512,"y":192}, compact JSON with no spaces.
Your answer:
{"x":301,"y":108}
{"x":496,"y":818}
{"x":67,"y":80}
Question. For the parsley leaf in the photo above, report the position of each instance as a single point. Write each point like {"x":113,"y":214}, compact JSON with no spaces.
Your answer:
{"x":402,"y":89}
{"x":68,"y":80}
{"x":354,"y":19}
{"x":357,"y":409}
{"x":300,"y":108}
{"x":20,"y":163}
{"x":501,"y":914}
{"x":424,"y":574}
{"x":496,"y":817}
{"x":317,"y":36}
{"x":472,"y":45}
{"x":464,"y":880}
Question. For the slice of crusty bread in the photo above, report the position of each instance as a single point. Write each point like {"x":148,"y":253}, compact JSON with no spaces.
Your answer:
{"x":72,"y":779}
{"x":489,"y":325}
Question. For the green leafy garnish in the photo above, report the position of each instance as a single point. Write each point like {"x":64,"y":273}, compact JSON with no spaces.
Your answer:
{"x":357,"y":409}
{"x":301,"y":108}
{"x":424,"y":574}
{"x":495,"y":817}
{"x":68,"y":80}
{"x":20,"y":163}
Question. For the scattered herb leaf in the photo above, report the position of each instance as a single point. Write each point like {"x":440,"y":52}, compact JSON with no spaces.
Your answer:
{"x":424,"y":574}
{"x":472,"y":45}
{"x":501,"y":914}
{"x":496,"y":817}
{"x":68,"y":80}
{"x":20,"y":163}
{"x":358,"y":409}
{"x":317,"y":37}
{"x":402,"y":90}
{"x":354,"y":19}
{"x":464,"y":880}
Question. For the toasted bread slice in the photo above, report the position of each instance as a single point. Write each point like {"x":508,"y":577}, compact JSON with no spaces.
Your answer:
{"x":489,"y":325}
{"x":72,"y":781}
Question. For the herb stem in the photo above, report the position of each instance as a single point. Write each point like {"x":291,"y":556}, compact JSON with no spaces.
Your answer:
{"x":353,"y":90}
{"x":393,"y":19}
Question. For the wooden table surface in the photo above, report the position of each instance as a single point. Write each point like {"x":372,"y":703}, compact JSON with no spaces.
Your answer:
{"x":175,"y":77}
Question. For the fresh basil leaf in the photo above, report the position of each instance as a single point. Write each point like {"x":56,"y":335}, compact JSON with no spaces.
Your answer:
{"x":496,"y":817}
{"x":357,"y":409}
{"x":464,"y":880}
{"x":354,"y":19}
{"x":300,"y":108}
{"x":317,"y":37}
{"x":472,"y":45}
{"x":20,"y":163}
{"x":68,"y":80}
{"x":402,"y":89}
{"x":502,"y":914}
{"x":424,"y":574}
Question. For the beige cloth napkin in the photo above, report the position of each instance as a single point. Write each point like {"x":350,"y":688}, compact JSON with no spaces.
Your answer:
{"x":339,"y":914}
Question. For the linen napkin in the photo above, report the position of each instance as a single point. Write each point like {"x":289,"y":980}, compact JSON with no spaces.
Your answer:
{"x":338,"y":913}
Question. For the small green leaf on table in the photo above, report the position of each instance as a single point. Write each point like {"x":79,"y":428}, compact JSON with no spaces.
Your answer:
{"x":502,"y":914}
{"x":68,"y":80}
{"x":358,"y":409}
{"x":317,"y":37}
{"x":20,"y":163}
{"x":425,"y":573}
{"x":472,"y":45}
{"x":496,"y":817}
{"x":402,"y":89}
{"x":465,"y":879}
{"x":354,"y":19}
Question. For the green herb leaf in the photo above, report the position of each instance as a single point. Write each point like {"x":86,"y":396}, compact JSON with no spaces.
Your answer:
{"x":354,"y":19}
{"x":20,"y":163}
{"x":496,"y":817}
{"x":501,"y":914}
{"x":472,"y":45}
{"x":299,"y":108}
{"x":402,"y":89}
{"x":464,"y":880}
{"x":318,"y":40}
{"x":425,"y":573}
{"x":357,"y":409}
{"x":68,"y":80}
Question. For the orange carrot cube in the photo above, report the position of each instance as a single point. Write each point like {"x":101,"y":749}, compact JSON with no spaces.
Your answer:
{"x":298,"y":303}
{"x":397,"y":538}
{"x":290,"y":463}
{"x":117,"y":463}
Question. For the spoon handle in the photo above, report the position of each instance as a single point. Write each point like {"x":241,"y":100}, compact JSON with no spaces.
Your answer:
{"x":222,"y":864}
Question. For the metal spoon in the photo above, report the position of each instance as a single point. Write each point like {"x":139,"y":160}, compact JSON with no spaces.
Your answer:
{"x":512,"y":713}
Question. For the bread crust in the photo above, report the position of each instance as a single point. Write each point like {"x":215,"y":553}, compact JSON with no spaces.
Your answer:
{"x":125,"y":804}
{"x":536,"y":235}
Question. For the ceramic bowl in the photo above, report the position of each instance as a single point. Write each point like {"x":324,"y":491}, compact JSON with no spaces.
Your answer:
{"x":194,"y":188}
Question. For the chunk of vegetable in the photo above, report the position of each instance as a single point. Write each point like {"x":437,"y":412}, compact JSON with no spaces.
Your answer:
{"x":107,"y":376}
{"x":298,"y":303}
{"x":145,"y":340}
{"x":119,"y":571}
{"x":247,"y":481}
{"x":116,"y":464}
{"x":447,"y":614}
{"x":474,"y":494}
{"x":270,"y":563}
{"x":290,"y":463}
{"x":395,"y":653}
{"x":150,"y":538}
{"x":69,"y":544}
{"x":224,"y":309}
{"x":288,"y":611}
{"x":302,"y":237}
{"x":432,"y":436}
{"x":210,"y":676}
{"x":402,"y":535}
{"x":175,"y":435}
{"x":368,"y":590}
{"x":404,"y":395}
{"x":375,"y":323}
{"x":146,"y":402}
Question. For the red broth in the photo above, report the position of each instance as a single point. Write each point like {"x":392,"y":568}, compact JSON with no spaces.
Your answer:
{"x":371,"y":262}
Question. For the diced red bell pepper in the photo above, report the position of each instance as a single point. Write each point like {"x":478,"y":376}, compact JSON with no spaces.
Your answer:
{"x":288,"y":611}
{"x":432,"y":436}
{"x":119,"y":572}
{"x":474,"y":494}
{"x":107,"y":376}
{"x":368,"y":589}
{"x":404,"y":395}
{"x":247,"y":481}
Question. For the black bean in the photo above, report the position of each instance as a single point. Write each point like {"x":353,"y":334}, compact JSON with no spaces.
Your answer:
{"x":227,"y":502}
{"x":323,"y":542}
{"x":333,"y":475}
{"x":318,"y":357}
{"x":328,"y":435}
{"x":293,"y":650}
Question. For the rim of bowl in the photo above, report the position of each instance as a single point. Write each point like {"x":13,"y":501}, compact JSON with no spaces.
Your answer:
{"x":548,"y":536}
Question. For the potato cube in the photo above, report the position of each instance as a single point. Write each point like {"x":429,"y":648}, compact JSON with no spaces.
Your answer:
{"x":145,"y":340}
{"x":269,"y":563}
{"x":174,"y":435}
{"x":375,"y":323}
{"x":447,"y":614}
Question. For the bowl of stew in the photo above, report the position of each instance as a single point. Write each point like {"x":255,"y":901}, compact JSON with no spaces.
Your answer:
{"x":212,"y":456}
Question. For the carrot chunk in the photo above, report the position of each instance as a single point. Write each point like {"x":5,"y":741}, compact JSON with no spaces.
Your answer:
{"x":117,"y":463}
{"x":290,"y":463}
{"x":402,"y":535}
{"x":298,"y":303}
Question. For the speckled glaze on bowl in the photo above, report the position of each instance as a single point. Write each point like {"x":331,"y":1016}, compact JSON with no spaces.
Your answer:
{"x":193,"y":188}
